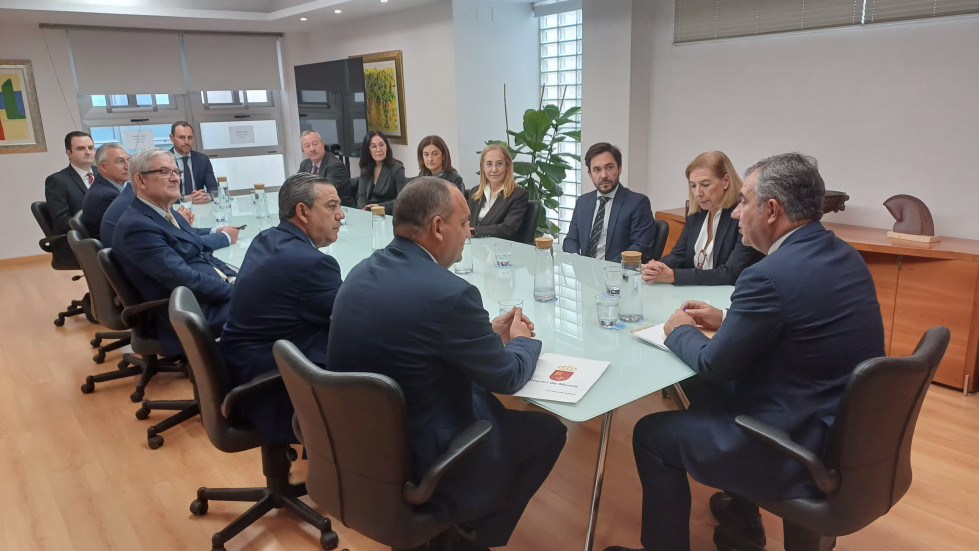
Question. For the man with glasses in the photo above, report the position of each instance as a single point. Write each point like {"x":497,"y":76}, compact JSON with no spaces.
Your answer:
{"x":159,"y":251}
{"x":612,"y":218}
{"x":113,"y":163}
{"x":197,"y":178}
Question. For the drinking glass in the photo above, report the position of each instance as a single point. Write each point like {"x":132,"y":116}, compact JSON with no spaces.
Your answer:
{"x":608,"y":310}
{"x":502,"y":251}
{"x":508,"y":304}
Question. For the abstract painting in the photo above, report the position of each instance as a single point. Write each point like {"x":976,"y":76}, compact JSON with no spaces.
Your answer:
{"x":20,"y":116}
{"x":384,"y":94}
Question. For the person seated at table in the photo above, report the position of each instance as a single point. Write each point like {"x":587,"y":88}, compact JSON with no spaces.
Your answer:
{"x":434,"y":160}
{"x":284,"y":290}
{"x":381,"y":175}
{"x":403,"y":314}
{"x":709,"y":250}
{"x":497,"y":207}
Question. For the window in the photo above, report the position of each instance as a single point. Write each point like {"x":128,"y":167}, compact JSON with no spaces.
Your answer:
{"x":128,"y":102}
{"x":560,"y":78}
{"x":236,"y":98}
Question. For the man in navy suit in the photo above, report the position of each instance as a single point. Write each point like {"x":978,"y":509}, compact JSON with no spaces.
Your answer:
{"x":64,"y":191}
{"x":800,"y":321}
{"x":285,"y":290}
{"x":197,"y":176}
{"x":319,"y":161}
{"x":401,"y":313}
{"x":612,"y":218}
{"x":158,"y":251}
{"x":113,"y":163}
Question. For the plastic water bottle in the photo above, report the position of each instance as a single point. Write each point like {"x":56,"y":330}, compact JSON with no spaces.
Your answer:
{"x":261,"y":203}
{"x":379,"y":229}
{"x":544,"y":270}
{"x":630,"y":292}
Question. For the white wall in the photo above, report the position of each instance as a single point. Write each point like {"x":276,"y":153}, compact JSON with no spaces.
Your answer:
{"x":22,"y":174}
{"x":886,"y":109}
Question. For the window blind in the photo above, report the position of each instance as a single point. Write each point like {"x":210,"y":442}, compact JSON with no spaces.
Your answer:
{"x":126,"y":62}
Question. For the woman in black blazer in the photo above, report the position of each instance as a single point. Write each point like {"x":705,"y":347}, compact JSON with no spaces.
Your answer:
{"x":381,"y":175}
{"x":709,"y":250}
{"x":434,"y":160}
{"x":498,"y":205}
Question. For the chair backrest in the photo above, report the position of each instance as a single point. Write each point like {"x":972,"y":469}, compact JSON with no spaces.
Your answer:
{"x":142,"y":327}
{"x":210,"y":374}
{"x":662,"y":232}
{"x":528,"y":228}
{"x":353,"y":426}
{"x":43,"y":216}
{"x":53,"y":242}
{"x":106,"y":309}
{"x":75,"y":223}
{"x":870,"y":443}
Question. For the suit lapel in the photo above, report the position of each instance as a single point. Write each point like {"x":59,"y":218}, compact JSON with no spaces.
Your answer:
{"x":496,"y":208}
{"x":382,"y":179}
{"x":77,"y":179}
{"x":184,"y":233}
{"x":724,"y":226}
{"x":618,"y":204}
{"x":584,"y":228}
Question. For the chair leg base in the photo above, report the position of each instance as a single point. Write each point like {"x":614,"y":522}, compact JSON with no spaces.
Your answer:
{"x":729,"y":539}
{"x":800,"y":539}
{"x":129,"y":366}
{"x":186,"y":409}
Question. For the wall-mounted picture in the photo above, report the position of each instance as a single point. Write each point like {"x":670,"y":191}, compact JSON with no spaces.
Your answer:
{"x":20,"y":116}
{"x":384,"y":93}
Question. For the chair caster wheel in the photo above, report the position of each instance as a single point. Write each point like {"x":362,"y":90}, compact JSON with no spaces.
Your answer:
{"x":59,"y":322}
{"x":136,"y":396}
{"x":292,"y":454}
{"x":123,"y":364}
{"x":199,"y":507}
{"x":329,"y":540}
{"x":95,"y":342}
{"x":142,"y":414}
{"x":88,"y":387}
{"x":99,"y":358}
{"x":154,"y":441}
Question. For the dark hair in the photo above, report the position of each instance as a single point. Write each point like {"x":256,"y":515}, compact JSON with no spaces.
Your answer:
{"x":367,"y":163}
{"x":178,"y":124}
{"x":75,"y":134}
{"x":419,"y":202}
{"x":598,"y":149}
{"x":793,"y":180}
{"x":298,"y":188}
{"x":444,"y":149}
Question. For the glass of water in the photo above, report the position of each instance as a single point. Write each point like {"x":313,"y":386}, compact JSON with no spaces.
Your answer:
{"x":508,"y":304}
{"x":608,"y":310}
{"x":613,"y":280}
{"x":502,"y":251}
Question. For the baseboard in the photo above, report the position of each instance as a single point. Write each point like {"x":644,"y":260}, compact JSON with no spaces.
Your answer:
{"x":25,"y":260}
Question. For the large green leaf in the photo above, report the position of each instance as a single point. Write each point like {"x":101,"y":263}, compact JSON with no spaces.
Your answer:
{"x":523,"y":168}
{"x":573,"y":134}
{"x":535,"y":125}
{"x":554,"y":172}
{"x":552,"y":112}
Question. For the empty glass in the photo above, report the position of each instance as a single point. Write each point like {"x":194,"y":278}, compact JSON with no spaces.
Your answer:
{"x":508,"y":304}
{"x":608,"y":310}
{"x":502,"y":251}
{"x":613,"y":280}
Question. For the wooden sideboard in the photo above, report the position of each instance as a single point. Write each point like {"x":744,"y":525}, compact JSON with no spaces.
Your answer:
{"x":918,"y":286}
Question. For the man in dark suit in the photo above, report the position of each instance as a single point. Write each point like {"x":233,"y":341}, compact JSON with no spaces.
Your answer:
{"x":159,"y":252}
{"x":612,"y":218}
{"x":285,"y":290}
{"x":800,"y":321}
{"x":197,"y":176}
{"x":113,"y":163}
{"x":401,"y":313}
{"x":64,"y":191}
{"x":319,"y":161}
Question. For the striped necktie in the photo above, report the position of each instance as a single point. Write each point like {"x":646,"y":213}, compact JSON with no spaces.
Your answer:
{"x":596,"y":228}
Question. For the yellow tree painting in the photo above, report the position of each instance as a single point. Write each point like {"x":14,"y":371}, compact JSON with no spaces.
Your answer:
{"x":20,"y":118}
{"x":384,"y":95}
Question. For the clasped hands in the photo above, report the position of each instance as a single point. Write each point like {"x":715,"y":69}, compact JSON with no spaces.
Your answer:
{"x":694,"y":313}
{"x":655,"y":270}
{"x":513,"y":324}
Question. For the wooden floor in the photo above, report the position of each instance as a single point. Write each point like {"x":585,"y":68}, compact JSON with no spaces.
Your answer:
{"x":76,"y":472}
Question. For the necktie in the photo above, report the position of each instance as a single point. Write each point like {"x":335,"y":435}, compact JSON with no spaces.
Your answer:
{"x":316,"y":169}
{"x":596,"y":228}
{"x":188,"y":177}
{"x":91,"y":178}
{"x":172,"y":220}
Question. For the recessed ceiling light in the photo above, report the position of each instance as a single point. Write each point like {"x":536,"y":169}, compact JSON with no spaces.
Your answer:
{"x":303,"y":19}
{"x":337,"y":11}
{"x":384,"y":1}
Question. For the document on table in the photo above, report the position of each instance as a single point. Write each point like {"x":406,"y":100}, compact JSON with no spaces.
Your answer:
{"x":656,"y":335}
{"x":562,"y":378}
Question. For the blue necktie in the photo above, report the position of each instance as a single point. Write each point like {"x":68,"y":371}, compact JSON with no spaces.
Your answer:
{"x":188,"y":177}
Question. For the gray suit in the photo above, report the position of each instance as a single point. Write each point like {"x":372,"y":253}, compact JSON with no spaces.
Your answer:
{"x":336,"y":172}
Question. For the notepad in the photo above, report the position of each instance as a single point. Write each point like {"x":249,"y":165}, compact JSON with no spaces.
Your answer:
{"x":562,"y":378}
{"x":656,"y":335}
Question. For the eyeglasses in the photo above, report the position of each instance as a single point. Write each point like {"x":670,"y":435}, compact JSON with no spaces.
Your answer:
{"x":376,"y":147}
{"x":701,"y":259}
{"x":494,"y":164}
{"x":165,"y":172}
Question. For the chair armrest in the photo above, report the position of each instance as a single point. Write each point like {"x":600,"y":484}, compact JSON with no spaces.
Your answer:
{"x":826,"y":479}
{"x":47,"y":242}
{"x":459,"y":446}
{"x":130,"y":313}
{"x":262,"y":382}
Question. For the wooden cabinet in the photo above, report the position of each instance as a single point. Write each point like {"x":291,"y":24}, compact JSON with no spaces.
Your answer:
{"x":918,"y":286}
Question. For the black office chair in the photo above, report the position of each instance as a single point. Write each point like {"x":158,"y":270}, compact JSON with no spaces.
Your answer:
{"x":354,"y":429}
{"x":61,"y":259}
{"x":659,"y":239}
{"x":528,"y":228}
{"x":137,"y":316}
{"x":230,"y":433}
{"x":75,"y":223}
{"x":866,"y":468}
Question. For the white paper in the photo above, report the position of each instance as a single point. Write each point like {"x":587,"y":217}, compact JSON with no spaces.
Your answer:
{"x":241,"y":135}
{"x":562,"y":378}
{"x":655,"y":335}
{"x":135,"y":140}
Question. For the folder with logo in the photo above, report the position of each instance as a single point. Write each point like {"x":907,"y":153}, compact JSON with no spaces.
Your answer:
{"x":562,"y":378}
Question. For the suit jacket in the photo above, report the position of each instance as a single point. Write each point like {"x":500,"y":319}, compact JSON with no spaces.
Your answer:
{"x":285,"y":290}
{"x":122,"y":201}
{"x":336,"y":172}
{"x":64,"y":193}
{"x":97,"y":200}
{"x":630,"y":224}
{"x":200,"y":165}
{"x":730,"y":255}
{"x":158,"y":257}
{"x":389,"y":184}
{"x":800,"y":321}
{"x":503,"y":219}
{"x":401,"y":314}
{"x":453,"y":177}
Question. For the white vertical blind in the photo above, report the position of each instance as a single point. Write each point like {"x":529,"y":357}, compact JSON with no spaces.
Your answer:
{"x":126,"y":62}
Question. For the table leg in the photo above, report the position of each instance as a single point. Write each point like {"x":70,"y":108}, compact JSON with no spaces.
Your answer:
{"x":599,"y":476}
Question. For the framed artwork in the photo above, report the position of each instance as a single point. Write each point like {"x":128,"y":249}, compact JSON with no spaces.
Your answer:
{"x":20,"y":116}
{"x":385,"y":96}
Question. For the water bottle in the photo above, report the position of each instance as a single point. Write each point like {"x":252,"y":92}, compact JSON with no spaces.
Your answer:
{"x":223,"y":195}
{"x":630,"y":292}
{"x":379,"y":229}
{"x":544,"y":270}
{"x":261,"y":203}
{"x":465,"y":264}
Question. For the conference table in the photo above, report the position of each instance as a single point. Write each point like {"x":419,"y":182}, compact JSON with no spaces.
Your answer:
{"x":567,"y":326}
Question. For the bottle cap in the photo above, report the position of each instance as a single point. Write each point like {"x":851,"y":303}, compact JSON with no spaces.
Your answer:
{"x":260,"y":186}
{"x":377,"y":210}
{"x":544,"y":242}
{"x":222,"y":178}
{"x":631,"y":257}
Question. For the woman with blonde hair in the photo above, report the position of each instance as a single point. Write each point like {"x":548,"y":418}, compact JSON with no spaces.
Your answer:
{"x":434,"y":160}
{"x":709,"y":250}
{"x":498,"y":205}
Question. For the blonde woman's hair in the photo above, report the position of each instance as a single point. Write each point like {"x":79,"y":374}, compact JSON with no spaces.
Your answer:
{"x":508,"y":184}
{"x":720,"y":165}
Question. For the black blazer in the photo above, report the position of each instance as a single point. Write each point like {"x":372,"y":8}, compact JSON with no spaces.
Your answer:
{"x":503,"y":219}
{"x":64,"y":192}
{"x":200,"y":165}
{"x":336,"y":172}
{"x":389,"y":184}
{"x":97,"y":200}
{"x":731,"y":256}
{"x":453,"y":177}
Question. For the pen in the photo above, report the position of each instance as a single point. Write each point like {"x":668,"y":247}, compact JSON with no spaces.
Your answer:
{"x":241,"y":227}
